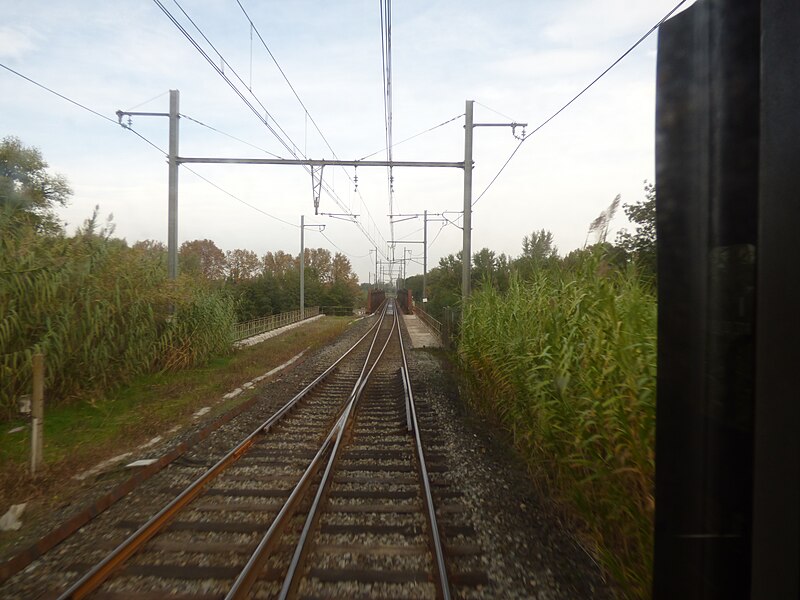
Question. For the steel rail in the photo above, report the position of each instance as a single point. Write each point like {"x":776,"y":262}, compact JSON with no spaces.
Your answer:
{"x":101,"y":571}
{"x":444,"y":583}
{"x":290,"y":582}
{"x":407,"y":398}
{"x":249,"y":574}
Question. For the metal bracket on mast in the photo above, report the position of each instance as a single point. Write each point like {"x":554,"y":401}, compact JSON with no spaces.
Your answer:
{"x":343,"y":216}
{"x":316,"y":185}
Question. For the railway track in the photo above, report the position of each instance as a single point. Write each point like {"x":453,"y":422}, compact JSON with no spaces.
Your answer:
{"x":330,"y":497}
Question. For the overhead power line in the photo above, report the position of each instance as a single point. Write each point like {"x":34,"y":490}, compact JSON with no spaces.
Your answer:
{"x":386,"y":56}
{"x":416,"y":135}
{"x":254,"y":28}
{"x":62,"y":96}
{"x":284,"y":139}
{"x":144,"y":139}
{"x":227,"y":193}
{"x":233,"y":137}
{"x":578,"y":95}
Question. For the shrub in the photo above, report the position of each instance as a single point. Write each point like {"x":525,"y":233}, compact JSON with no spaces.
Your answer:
{"x":568,"y":363}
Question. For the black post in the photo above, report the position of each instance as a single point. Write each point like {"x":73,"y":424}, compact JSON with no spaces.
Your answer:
{"x":776,"y":496}
{"x":707,"y":156}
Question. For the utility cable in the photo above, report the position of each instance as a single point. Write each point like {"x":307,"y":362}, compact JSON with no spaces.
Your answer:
{"x":226,"y":192}
{"x":578,"y":95}
{"x":497,"y":112}
{"x":161,"y":95}
{"x":233,"y":137}
{"x":322,"y":233}
{"x":62,"y":96}
{"x":144,"y":139}
{"x":416,"y":135}
{"x":308,"y":115}
{"x":294,"y":150}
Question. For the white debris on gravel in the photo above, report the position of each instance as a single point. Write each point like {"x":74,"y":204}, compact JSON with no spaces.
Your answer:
{"x":201,"y":412}
{"x":152,"y":442}
{"x":232,"y":394}
{"x":144,"y":462}
{"x":250,"y":384}
{"x":11,"y":520}
{"x":99,"y":467}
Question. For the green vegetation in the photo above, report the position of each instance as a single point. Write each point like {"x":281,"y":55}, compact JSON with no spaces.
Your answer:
{"x":81,"y":434}
{"x":561,"y":351}
{"x":567,"y":362}
{"x":99,"y":311}
{"x":271,"y":284}
{"x":103,"y":312}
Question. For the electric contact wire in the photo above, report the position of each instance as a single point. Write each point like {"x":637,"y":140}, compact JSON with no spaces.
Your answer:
{"x":578,"y":95}
{"x":308,"y":115}
{"x":331,"y":193}
{"x":322,"y":233}
{"x":416,"y":135}
{"x":221,"y":73}
{"x":233,"y":137}
{"x":62,"y":96}
{"x":144,"y":139}
{"x":386,"y":57}
{"x":294,"y":152}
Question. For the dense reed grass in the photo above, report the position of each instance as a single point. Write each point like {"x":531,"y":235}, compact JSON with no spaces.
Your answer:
{"x":567,"y":362}
{"x":99,"y":311}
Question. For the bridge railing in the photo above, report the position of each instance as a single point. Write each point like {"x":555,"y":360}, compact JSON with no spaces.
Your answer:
{"x":341,"y":311}
{"x":435,"y":325}
{"x":262,"y":325}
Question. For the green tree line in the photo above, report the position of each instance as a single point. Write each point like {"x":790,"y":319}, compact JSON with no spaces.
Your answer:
{"x":104,"y":311}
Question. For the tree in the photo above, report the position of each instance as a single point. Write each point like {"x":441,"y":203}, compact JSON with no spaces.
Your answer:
{"x":319,"y":259}
{"x":279,"y":263}
{"x":641,"y":244}
{"x":539,"y":246}
{"x":242,"y":264}
{"x":341,"y":269}
{"x":444,"y":284}
{"x":27,"y":190}
{"x":538,"y":251}
{"x":202,"y":258}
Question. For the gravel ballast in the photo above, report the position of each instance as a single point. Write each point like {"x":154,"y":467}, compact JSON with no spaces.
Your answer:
{"x":526,"y":550}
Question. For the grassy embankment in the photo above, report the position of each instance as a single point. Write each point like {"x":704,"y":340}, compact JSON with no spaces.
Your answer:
{"x":79,"y":434}
{"x":567,"y":363}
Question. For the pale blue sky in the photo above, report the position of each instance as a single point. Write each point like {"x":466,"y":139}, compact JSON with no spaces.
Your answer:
{"x":523,"y":59}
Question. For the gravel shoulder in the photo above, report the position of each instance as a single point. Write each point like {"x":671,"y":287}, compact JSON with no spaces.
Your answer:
{"x":530,"y":552}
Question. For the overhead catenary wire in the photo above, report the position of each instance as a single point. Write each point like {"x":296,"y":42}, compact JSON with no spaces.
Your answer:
{"x":233,"y":137}
{"x":416,"y":135}
{"x":307,"y":113}
{"x":386,"y":57}
{"x":293,"y":149}
{"x":144,"y":139}
{"x":578,"y":95}
{"x":62,"y":96}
